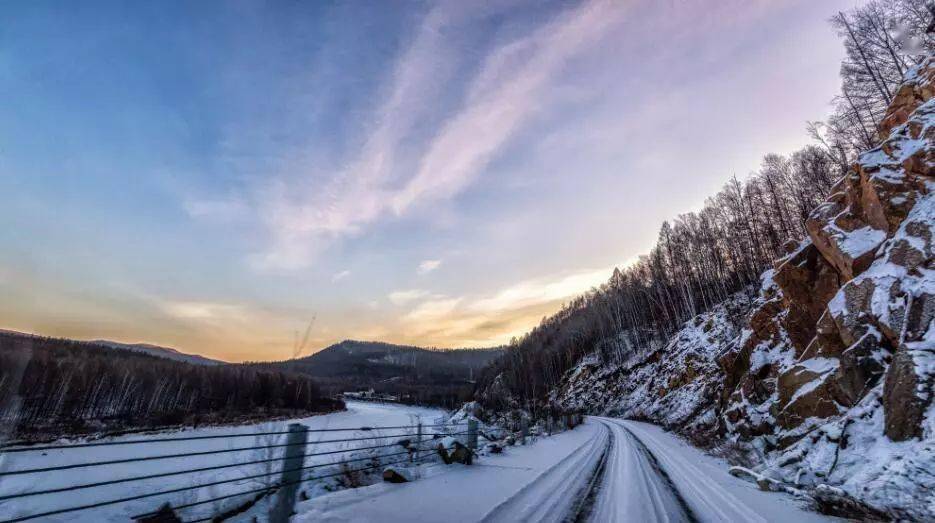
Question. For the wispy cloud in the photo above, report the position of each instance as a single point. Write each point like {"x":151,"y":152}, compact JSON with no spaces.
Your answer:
{"x":406,"y":296}
{"x":221,"y":210}
{"x":491,"y":318}
{"x":340,"y":276}
{"x":357,"y":195}
{"x":434,"y":309}
{"x":542,"y":290}
{"x":504,"y":94}
{"x":507,"y":92}
{"x":428,"y":266}
{"x":200,"y":310}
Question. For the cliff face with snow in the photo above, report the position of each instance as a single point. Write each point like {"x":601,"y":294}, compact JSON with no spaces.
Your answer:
{"x":827,"y":374}
{"x":834,"y":377}
{"x":676,"y":385}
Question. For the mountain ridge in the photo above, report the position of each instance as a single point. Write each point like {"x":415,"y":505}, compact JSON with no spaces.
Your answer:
{"x":422,"y":375}
{"x":158,"y":351}
{"x":161,"y":351}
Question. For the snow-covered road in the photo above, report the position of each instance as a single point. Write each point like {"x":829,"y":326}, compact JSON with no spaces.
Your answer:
{"x":658,"y":477}
{"x":605,"y":470}
{"x":632,"y":486}
{"x":569,"y":477}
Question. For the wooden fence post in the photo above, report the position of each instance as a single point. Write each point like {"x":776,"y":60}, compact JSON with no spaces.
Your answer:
{"x":293,"y":459}
{"x":472,"y":434}
{"x":522,"y":431}
{"x":418,"y":440}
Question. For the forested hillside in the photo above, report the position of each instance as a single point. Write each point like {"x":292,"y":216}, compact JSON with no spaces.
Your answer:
{"x":443,"y":377}
{"x":791,"y":319}
{"x":51,"y":387}
{"x":701,"y":258}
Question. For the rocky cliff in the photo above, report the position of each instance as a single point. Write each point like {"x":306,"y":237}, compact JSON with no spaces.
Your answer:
{"x":833,"y":379}
{"x":826,"y":376}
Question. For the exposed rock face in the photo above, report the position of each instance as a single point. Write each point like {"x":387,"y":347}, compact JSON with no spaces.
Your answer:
{"x":904,"y":418}
{"x":840,"y":231}
{"x":918,"y":88}
{"x":843,"y":295}
{"x":808,"y":282}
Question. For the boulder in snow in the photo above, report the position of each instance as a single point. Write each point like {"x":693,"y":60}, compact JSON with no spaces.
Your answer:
{"x":397,"y":475}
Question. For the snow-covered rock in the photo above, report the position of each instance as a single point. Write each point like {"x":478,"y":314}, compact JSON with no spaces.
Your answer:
{"x":851,"y":409}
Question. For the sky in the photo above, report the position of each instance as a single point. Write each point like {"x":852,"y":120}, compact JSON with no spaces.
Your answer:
{"x":219,"y":176}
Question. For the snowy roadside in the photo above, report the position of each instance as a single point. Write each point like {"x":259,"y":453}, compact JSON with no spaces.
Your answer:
{"x":359,"y":414}
{"x":520,"y":483}
{"x":650,"y":475}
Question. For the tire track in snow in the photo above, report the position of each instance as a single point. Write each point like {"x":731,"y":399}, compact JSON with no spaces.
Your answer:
{"x":551,"y":495}
{"x":635,"y":488}
{"x":687,"y":511}
{"x":586,"y":498}
{"x":709,"y":501}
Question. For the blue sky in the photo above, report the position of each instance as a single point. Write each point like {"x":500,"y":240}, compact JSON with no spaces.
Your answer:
{"x":213,"y":175}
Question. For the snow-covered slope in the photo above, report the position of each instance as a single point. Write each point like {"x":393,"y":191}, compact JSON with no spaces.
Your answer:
{"x":675,"y":385}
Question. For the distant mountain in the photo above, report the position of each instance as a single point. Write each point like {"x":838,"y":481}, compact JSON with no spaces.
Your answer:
{"x":350,"y":357}
{"x":438,"y":376}
{"x":161,"y":352}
